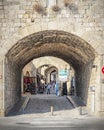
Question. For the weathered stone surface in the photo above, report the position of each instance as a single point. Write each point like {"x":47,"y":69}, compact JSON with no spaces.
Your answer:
{"x":84,"y":19}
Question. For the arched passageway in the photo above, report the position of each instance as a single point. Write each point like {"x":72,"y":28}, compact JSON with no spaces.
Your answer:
{"x":51,"y":74}
{"x":72,"y":49}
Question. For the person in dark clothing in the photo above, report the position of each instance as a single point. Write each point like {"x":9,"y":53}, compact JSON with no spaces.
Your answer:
{"x":64,"y":88}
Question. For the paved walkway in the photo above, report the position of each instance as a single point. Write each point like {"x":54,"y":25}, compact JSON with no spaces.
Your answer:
{"x":37,"y":114}
{"x":40,"y":106}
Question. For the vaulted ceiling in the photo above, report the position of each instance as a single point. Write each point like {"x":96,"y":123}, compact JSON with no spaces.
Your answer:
{"x":66,"y":46}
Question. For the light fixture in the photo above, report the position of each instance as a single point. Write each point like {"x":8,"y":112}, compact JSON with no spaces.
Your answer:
{"x":94,"y":66}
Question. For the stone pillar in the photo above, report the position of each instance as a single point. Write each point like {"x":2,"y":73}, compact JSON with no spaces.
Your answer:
{"x":68,"y":87}
{"x":48,"y":78}
{"x":2,"y":107}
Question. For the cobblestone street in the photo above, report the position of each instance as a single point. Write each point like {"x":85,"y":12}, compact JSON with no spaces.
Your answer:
{"x":40,"y":105}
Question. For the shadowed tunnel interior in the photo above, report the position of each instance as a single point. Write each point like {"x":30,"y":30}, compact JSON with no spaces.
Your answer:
{"x":72,"y":49}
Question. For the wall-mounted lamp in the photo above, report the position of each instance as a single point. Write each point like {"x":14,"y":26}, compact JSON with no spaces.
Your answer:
{"x":94,"y":66}
{"x":32,"y":20}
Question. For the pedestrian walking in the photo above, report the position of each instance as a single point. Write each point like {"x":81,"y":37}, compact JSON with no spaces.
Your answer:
{"x":48,"y":88}
{"x":57,"y":88}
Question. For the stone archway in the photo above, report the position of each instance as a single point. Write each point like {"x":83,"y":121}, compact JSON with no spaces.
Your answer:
{"x":72,"y":49}
{"x":48,"y":72}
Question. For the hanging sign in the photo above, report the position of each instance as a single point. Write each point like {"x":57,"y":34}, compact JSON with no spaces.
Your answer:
{"x":63,"y":75}
{"x":102,"y":69}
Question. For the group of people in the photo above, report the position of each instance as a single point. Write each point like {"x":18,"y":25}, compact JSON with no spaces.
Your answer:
{"x":48,"y":88}
{"x":54,"y":87}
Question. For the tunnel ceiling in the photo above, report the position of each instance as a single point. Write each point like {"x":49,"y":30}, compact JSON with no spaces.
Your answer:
{"x":50,"y":69}
{"x":66,"y":46}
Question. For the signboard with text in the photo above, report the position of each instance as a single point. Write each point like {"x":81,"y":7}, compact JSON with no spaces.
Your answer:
{"x":63,"y":75}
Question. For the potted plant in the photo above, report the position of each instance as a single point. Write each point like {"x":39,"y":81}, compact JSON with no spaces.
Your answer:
{"x":39,"y":9}
{"x":56,"y":8}
{"x":67,"y":3}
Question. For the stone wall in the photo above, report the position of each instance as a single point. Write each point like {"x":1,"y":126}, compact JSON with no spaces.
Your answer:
{"x":83,"y":18}
{"x":30,"y":68}
{"x":2,"y":88}
{"x":12,"y":85}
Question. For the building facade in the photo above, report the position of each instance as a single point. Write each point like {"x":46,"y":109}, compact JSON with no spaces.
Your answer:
{"x":72,"y":31}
